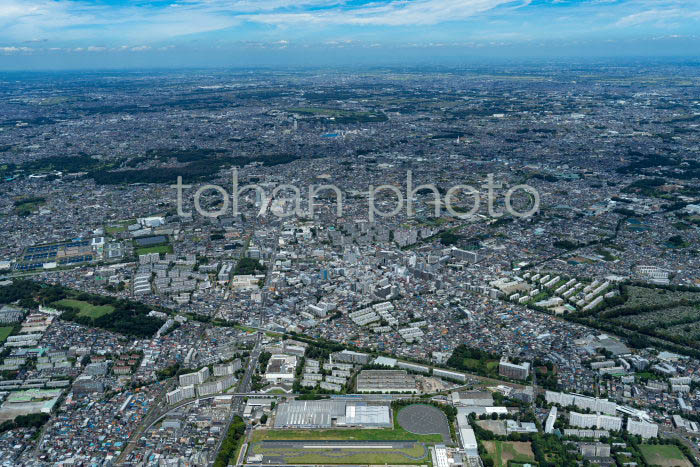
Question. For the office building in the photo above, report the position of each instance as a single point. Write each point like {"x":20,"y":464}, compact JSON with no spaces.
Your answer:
{"x":281,"y":369}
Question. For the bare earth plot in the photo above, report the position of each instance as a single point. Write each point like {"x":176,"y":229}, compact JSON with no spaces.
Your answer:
{"x":504,"y":451}
{"x":497,"y":427}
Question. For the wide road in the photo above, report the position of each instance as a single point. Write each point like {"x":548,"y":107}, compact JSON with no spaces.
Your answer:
{"x":243,"y":388}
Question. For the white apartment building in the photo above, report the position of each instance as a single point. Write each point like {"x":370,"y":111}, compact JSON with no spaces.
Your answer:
{"x":194,"y":378}
{"x":582,"y":402}
{"x":643,"y":429}
{"x":180,"y":394}
{"x":551,"y":418}
{"x":605,"y":422}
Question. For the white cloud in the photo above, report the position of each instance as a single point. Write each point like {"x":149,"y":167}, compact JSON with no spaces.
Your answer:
{"x":22,"y":20}
{"x":394,"y":13}
{"x":81,"y":20}
{"x":73,"y":23}
{"x":13,"y":49}
{"x":658,"y":15}
{"x":646,"y":16}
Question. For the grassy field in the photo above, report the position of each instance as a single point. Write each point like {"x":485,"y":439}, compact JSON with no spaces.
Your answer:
{"x":87,"y":309}
{"x":154,"y":249}
{"x":112,"y":229}
{"x":503,"y":451}
{"x":4,"y":333}
{"x":249,"y":329}
{"x":348,"y":456}
{"x":28,"y":205}
{"x":489,"y":367}
{"x":380,"y":434}
{"x":665,"y":455}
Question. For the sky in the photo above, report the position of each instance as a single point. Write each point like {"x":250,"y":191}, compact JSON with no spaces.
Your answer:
{"x":68,"y":34}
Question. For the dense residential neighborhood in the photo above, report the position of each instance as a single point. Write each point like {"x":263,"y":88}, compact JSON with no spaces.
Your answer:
{"x":275,"y":306}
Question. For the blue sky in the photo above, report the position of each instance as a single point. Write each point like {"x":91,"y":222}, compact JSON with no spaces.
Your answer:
{"x":113,"y":33}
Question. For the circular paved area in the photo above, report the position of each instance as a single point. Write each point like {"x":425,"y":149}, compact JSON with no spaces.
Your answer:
{"x":424,"y":420}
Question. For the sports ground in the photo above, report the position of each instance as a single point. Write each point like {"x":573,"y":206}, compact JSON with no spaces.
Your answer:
{"x":665,"y":455}
{"x":341,"y":452}
{"x":415,"y":428}
{"x":87,"y":309}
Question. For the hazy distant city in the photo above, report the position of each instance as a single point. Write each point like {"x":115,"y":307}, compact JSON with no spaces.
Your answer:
{"x":150,"y":321}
